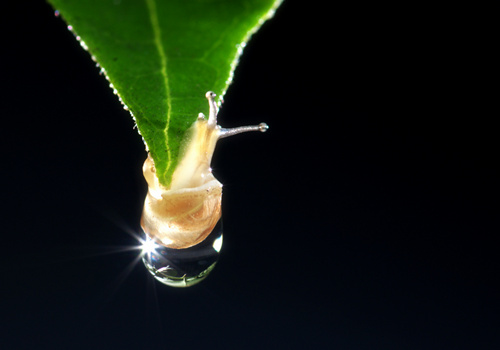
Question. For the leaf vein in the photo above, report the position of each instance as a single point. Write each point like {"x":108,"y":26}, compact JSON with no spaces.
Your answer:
{"x":153,"y":16}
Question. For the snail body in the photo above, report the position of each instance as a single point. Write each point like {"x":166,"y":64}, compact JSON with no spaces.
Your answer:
{"x":185,"y":213}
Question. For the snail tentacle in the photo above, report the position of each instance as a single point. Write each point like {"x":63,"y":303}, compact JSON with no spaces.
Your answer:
{"x":214,"y":110}
{"x":262,"y":127}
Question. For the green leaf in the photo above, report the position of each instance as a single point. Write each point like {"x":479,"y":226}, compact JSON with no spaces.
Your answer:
{"x":161,"y":57}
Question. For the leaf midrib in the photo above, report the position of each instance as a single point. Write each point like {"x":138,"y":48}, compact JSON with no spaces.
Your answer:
{"x":153,"y":17}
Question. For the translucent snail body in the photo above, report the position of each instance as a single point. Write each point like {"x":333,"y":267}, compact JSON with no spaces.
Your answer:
{"x":183,"y":217}
{"x":184,"y":214}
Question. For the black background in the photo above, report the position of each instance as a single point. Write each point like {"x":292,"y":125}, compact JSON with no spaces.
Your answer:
{"x":366,"y":218}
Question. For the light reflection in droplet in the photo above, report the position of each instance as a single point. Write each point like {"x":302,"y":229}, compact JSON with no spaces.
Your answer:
{"x":217,"y":244}
{"x":149,"y":246}
{"x":183,"y":267}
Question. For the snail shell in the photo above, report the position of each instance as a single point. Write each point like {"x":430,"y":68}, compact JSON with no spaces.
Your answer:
{"x":184,"y":214}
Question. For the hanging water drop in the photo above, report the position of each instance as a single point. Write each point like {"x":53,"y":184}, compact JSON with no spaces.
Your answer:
{"x":183,"y":267}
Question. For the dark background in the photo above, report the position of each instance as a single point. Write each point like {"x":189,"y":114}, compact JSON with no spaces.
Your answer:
{"x":366,"y":218}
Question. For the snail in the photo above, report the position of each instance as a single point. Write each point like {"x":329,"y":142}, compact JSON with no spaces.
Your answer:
{"x":185,"y":213}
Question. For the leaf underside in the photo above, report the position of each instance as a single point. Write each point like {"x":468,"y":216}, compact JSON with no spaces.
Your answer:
{"x":161,"y":57}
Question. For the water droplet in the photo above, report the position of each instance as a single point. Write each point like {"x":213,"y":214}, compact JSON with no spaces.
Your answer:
{"x":183,"y":267}
{"x":82,"y":44}
{"x":239,"y":48}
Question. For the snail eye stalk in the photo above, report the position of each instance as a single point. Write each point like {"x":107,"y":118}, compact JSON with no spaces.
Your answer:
{"x":182,"y":223}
